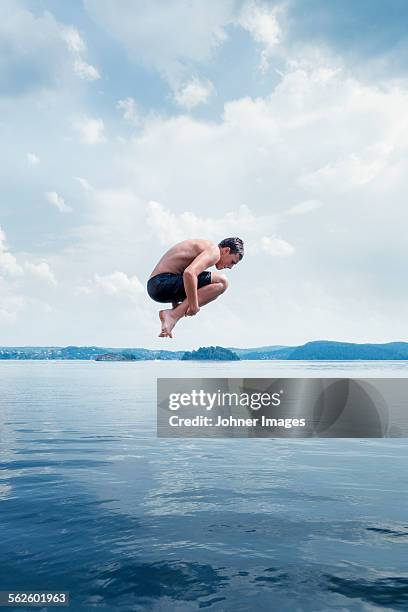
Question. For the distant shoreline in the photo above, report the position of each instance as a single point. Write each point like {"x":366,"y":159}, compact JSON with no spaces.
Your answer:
{"x":208,"y":361}
{"x":318,"y":350}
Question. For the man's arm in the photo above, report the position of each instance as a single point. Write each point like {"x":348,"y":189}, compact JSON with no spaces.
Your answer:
{"x":204,"y":260}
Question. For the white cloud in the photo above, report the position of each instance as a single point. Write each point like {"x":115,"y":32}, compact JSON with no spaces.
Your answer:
{"x":11,"y":300}
{"x":114,"y":224}
{"x":116,"y":284}
{"x":170,"y":227}
{"x":129,"y":110}
{"x":304,"y":207}
{"x":11,"y":304}
{"x":347,"y":173}
{"x":8,"y":262}
{"x":193,"y":93}
{"x":33,"y":159}
{"x":32,"y":51}
{"x":168,"y":36}
{"x":77,"y":47}
{"x":262,"y":23}
{"x":57,"y":201}
{"x":9,"y":265}
{"x":91,"y":131}
{"x":84,"y":183}
{"x":74,"y":41}
{"x":86,"y":71}
{"x":38,"y":52}
{"x":276,"y":246}
{"x":42,"y":271}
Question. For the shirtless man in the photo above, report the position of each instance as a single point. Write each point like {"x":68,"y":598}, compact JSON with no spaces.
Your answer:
{"x":180,"y":277}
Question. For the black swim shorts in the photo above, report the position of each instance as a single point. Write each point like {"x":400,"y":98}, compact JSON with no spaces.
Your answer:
{"x":169,"y":287}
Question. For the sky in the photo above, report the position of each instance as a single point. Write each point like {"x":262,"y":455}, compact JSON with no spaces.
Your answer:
{"x":129,"y":125}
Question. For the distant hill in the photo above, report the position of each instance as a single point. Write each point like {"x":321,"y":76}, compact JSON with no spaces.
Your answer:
{"x":245,"y":351}
{"x":115,"y":357}
{"x":269,"y":353}
{"x":217,"y":353}
{"x":325,"y":350}
{"x":84,"y":352}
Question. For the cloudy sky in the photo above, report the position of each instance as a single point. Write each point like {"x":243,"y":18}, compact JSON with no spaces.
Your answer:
{"x":128,"y":125}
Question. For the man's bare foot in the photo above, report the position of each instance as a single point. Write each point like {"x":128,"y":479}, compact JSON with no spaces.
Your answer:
{"x":167,"y":323}
{"x":174,"y":304}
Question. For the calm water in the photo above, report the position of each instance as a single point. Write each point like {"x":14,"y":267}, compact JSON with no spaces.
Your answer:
{"x":93,"y":503}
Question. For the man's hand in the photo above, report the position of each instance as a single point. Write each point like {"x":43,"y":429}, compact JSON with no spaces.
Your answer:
{"x":206,"y":258}
{"x":191,"y":311}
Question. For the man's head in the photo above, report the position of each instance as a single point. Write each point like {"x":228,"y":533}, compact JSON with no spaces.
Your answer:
{"x":231,"y":252}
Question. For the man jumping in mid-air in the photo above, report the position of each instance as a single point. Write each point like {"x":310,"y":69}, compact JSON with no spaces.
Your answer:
{"x":180,"y":277}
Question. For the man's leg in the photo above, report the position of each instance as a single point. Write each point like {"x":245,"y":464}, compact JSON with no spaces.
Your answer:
{"x":205,"y":295}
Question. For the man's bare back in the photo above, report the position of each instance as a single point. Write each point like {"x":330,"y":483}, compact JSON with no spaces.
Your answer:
{"x":180,"y":256}
{"x":180,"y":277}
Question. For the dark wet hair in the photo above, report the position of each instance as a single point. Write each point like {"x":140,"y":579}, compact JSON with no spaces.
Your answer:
{"x":236,"y":245}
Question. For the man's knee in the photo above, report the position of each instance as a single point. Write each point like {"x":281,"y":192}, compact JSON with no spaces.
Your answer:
{"x":223,"y":282}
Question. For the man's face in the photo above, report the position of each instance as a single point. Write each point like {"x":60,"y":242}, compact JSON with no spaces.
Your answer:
{"x":227,"y":259}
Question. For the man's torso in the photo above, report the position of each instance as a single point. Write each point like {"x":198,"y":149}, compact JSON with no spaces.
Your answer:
{"x":180,"y":256}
